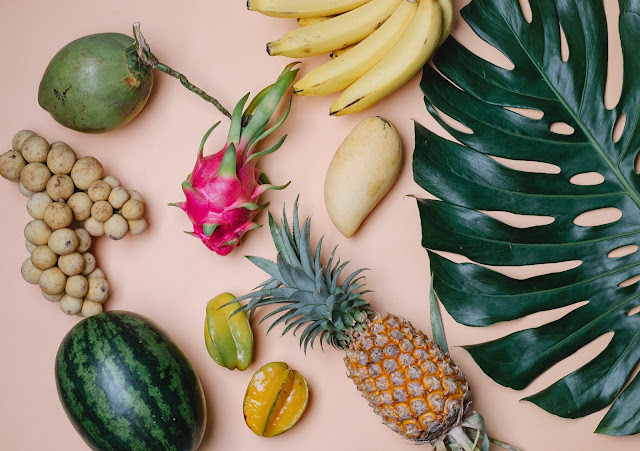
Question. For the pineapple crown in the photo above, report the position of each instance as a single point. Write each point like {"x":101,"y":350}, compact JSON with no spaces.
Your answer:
{"x":309,"y":292}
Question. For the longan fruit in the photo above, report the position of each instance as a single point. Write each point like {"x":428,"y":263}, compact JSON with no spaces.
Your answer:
{"x":61,"y":159}
{"x":118,"y":197}
{"x":37,"y":204}
{"x":96,"y":273}
{"x":60,"y":187}
{"x":52,"y":297}
{"x":137,"y":226}
{"x":43,"y":258}
{"x":101,"y":211}
{"x":71,"y":264}
{"x":53,"y":281}
{"x":89,"y":263}
{"x":98,"y":290}
{"x":132,"y":209}
{"x":71,"y":305}
{"x":80,"y":205}
{"x":84,"y":238}
{"x":112,"y":181}
{"x":35,"y":149}
{"x":37,"y":232}
{"x":99,"y":190}
{"x":30,"y":246}
{"x":116,"y":227}
{"x":90,"y":308}
{"x":93,"y":227}
{"x":77,"y":286}
{"x":63,"y":241}
{"x":19,"y":138}
{"x":11,"y":165}
{"x":30,"y":273}
{"x":35,"y":176}
{"x":86,"y":171}
{"x":24,"y":191}
{"x":133,"y":194}
{"x":58,"y":215}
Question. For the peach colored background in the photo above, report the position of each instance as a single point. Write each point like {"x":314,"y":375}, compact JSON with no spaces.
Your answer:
{"x":170,"y":276}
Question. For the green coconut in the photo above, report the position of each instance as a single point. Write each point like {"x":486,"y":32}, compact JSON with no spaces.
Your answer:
{"x":101,"y":82}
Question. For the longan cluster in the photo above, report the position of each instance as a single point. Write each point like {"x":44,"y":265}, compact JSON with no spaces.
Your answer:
{"x":70,"y":201}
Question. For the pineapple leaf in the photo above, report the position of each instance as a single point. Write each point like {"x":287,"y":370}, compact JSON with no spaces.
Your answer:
{"x":479,"y":94}
{"x":267,"y":266}
{"x":317,"y":262}
{"x":275,"y":235}
{"x":346,"y":286}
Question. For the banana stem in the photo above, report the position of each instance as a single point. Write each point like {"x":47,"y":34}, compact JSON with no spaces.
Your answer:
{"x":148,"y":58}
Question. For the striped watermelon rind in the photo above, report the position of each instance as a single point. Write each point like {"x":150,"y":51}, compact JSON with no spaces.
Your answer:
{"x":125,"y":385}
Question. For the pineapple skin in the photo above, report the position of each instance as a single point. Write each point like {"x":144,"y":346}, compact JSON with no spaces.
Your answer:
{"x":417,"y":389}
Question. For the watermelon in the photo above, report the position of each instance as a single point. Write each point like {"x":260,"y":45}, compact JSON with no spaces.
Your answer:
{"x":126,"y":386}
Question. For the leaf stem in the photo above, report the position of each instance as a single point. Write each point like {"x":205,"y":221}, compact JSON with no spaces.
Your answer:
{"x":148,"y":58}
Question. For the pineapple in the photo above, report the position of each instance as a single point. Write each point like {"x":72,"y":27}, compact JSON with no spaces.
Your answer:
{"x":406,"y":378}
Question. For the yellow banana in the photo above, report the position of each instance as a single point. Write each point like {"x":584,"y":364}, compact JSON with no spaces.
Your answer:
{"x":340,"y":73}
{"x":306,"y":21}
{"x":399,"y":66}
{"x":340,"y":52}
{"x":303,"y":8}
{"x":335,"y":33}
{"x":447,"y":19}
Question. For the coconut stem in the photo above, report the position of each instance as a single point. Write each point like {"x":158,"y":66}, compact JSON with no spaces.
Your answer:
{"x":148,"y":58}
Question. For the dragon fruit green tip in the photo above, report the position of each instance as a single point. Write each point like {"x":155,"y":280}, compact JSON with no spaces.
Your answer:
{"x":223,"y":189}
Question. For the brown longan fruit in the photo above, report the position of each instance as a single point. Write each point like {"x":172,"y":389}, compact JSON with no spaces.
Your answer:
{"x":118,"y":197}
{"x":11,"y":165}
{"x":37,"y":204}
{"x":101,"y":211}
{"x":63,"y":241}
{"x":19,"y":138}
{"x":96,"y":273}
{"x":133,"y":194}
{"x":60,"y":187}
{"x":93,"y":227}
{"x":35,"y":176}
{"x":71,"y":305}
{"x":116,"y":227}
{"x":112,"y":181}
{"x":71,"y":264}
{"x":80,"y":205}
{"x":43,"y":258}
{"x":58,"y":215}
{"x":52,"y":297}
{"x":137,"y":226}
{"x":37,"y":232}
{"x":77,"y":286}
{"x":98,"y":290}
{"x":24,"y":191}
{"x":84,"y":238}
{"x":90,"y":308}
{"x":89,"y":263}
{"x":35,"y":149}
{"x":99,"y":190}
{"x":30,"y":273}
{"x":86,"y":171}
{"x":61,"y":159}
{"x":132,"y":209}
{"x":53,"y":281}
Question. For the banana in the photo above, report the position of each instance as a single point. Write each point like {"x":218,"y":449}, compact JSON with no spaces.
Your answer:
{"x":306,"y":21}
{"x":303,"y":8}
{"x":399,"y":66}
{"x":340,"y":52}
{"x":340,"y":73}
{"x":447,"y":19}
{"x":335,"y":33}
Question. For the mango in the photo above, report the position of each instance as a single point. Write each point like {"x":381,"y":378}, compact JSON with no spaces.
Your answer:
{"x":275,"y":400}
{"x":362,"y":171}
{"x":229,"y":339}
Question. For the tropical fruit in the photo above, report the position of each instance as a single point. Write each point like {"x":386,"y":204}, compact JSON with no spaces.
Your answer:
{"x":125,"y":385}
{"x":223,"y":189}
{"x":228,"y":337}
{"x":275,"y":399}
{"x":388,"y":42}
{"x":406,"y":378}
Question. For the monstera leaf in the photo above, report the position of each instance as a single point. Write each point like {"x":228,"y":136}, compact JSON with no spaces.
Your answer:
{"x":474,"y":92}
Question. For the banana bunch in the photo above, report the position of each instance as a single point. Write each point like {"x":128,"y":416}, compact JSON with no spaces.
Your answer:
{"x":376,"y":46}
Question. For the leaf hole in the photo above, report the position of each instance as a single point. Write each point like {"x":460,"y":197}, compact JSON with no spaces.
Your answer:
{"x":629,"y":281}
{"x":518,"y":220}
{"x":470,"y":39}
{"x":618,"y":128}
{"x":613,"y":84}
{"x":564,"y":46}
{"x":623,"y":251}
{"x":561,"y":128}
{"x":451,"y":122}
{"x":531,"y":113}
{"x":525,"y":7}
{"x":537,"y":167}
{"x":634,"y":310}
{"x":587,"y":179}
{"x":598,"y":217}
{"x":636,"y":165}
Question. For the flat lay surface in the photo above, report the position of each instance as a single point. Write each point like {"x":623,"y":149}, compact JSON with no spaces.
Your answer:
{"x":169,"y":276}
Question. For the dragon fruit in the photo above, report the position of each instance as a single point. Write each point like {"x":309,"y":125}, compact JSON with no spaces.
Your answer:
{"x":223,"y":189}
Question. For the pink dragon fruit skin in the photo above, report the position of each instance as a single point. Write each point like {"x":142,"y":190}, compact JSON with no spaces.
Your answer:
{"x":223,"y":189}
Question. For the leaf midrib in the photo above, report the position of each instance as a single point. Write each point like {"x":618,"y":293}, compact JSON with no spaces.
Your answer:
{"x":613,"y":167}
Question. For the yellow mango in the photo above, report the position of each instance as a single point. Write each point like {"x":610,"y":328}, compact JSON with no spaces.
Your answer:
{"x":275,"y":399}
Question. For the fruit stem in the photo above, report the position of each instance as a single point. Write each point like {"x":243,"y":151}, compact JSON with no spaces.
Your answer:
{"x":148,"y":58}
